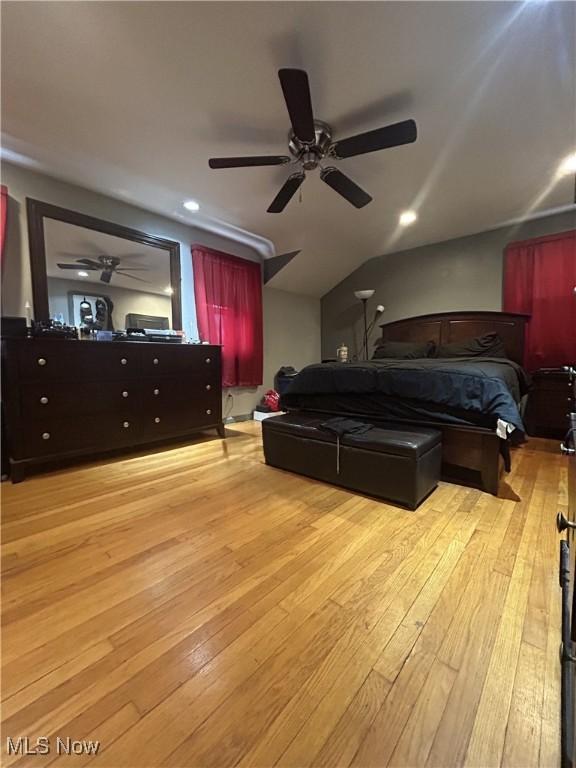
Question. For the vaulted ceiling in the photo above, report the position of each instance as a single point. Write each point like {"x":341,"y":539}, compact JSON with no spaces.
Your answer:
{"x":132,"y":99}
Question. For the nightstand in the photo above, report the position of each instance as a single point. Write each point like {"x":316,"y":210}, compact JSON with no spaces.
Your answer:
{"x":550,"y":401}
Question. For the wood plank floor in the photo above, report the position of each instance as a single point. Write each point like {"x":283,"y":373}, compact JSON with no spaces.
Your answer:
{"x":194,"y":607}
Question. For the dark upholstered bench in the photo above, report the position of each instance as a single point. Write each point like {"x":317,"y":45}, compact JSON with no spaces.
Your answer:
{"x":390,"y":462}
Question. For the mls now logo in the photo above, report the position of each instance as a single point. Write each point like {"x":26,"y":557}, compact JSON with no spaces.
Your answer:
{"x":23,"y":745}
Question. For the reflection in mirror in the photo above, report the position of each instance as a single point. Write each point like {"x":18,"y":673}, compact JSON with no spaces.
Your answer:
{"x":97,"y":281}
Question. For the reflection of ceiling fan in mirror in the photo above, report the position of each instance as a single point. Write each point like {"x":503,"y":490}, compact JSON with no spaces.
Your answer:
{"x":107,"y":266}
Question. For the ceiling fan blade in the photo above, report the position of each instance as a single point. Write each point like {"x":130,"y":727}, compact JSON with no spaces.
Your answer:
{"x":346,"y":187}
{"x":382,"y":138}
{"x":106,"y":275}
{"x":77,"y":266}
{"x":296,"y":90}
{"x":286,"y":193}
{"x":91,"y":263}
{"x":244,"y":162}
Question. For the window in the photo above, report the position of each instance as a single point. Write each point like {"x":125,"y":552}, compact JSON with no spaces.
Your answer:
{"x":228,"y":293}
{"x":539,"y":279}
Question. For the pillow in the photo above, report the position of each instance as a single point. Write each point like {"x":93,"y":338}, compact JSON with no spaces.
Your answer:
{"x":488,"y":345}
{"x":403,"y":350}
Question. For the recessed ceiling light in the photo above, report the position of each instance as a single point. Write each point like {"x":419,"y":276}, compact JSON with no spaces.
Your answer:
{"x":568,"y":165}
{"x":168,"y":289}
{"x":407,"y":218}
{"x":191,"y":205}
{"x":83,"y":274}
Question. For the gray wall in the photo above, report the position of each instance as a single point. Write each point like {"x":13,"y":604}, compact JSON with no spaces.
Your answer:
{"x":23,"y":183}
{"x":291,"y":337}
{"x":453,"y":275}
{"x":291,"y":321}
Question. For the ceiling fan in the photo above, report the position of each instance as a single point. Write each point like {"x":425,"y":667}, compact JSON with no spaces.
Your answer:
{"x":108,"y":266}
{"x":310,"y":143}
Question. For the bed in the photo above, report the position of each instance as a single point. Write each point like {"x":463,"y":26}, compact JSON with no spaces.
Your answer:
{"x":475,"y":402}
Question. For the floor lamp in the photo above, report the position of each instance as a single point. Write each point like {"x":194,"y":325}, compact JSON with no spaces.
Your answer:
{"x":364,"y":296}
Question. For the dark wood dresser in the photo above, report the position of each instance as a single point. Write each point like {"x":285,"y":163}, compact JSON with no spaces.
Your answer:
{"x":550,"y":401}
{"x":66,"y":398}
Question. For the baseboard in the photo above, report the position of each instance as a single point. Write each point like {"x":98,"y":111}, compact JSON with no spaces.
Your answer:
{"x":238,"y":418}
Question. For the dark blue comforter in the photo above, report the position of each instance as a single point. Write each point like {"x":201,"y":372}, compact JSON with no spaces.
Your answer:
{"x":486,"y":389}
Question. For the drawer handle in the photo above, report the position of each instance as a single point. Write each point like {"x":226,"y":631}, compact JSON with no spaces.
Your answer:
{"x":126,"y":424}
{"x":41,"y":361}
{"x":45,"y":435}
{"x":156,"y":391}
{"x":44,"y":400}
{"x":208,"y":411}
{"x":208,"y":360}
{"x":208,"y":387}
{"x":125,"y":393}
{"x":157,"y":420}
{"x":124,"y":361}
{"x":155,"y":361}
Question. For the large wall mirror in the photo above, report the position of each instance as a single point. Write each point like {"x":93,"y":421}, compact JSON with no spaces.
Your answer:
{"x":89,"y":271}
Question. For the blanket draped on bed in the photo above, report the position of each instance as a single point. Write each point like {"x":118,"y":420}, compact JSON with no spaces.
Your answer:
{"x":489,"y":387}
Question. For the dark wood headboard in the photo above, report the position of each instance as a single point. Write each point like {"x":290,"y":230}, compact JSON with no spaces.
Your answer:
{"x":446,"y":327}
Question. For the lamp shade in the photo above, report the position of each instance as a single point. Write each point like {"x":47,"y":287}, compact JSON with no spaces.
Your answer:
{"x":364,"y":294}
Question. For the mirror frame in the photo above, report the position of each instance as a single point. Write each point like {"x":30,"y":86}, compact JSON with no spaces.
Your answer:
{"x":37,"y":211}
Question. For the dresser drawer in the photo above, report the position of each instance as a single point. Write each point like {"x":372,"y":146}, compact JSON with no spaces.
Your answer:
{"x":184,"y":360}
{"x":47,"y":437}
{"x":548,"y":409}
{"x":556,"y":382}
{"x":179,"y":406}
{"x":550,"y":400}
{"x":178,"y":392}
{"x":176,"y":421}
{"x":48,"y":399}
{"x":78,"y":361}
{"x":65,"y":398}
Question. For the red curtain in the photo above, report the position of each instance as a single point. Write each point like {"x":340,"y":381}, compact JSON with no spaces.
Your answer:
{"x":228,"y":294}
{"x":539,"y":279}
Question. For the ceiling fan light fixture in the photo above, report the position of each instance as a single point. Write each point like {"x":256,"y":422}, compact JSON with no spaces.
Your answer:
{"x":310,"y":142}
{"x":407,"y":218}
{"x":191,"y":205}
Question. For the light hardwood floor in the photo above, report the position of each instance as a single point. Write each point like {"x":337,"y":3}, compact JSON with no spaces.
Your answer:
{"x":194,"y":607}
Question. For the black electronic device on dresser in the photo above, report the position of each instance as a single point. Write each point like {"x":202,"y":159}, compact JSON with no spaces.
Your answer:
{"x":550,"y":402}
{"x":567,"y":526}
{"x":65,"y":399}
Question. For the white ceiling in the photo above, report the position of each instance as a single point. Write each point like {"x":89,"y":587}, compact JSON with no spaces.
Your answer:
{"x":133,"y":98}
{"x":65,"y":243}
